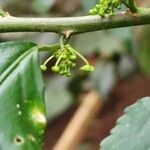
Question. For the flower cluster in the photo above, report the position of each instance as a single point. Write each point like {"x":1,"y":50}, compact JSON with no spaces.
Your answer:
{"x":66,"y":60}
{"x":106,"y":7}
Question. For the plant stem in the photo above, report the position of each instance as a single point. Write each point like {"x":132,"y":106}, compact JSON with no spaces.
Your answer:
{"x":45,"y":63}
{"x":61,"y":41}
{"x":86,"y":62}
{"x":52,"y":48}
{"x":74,"y":25}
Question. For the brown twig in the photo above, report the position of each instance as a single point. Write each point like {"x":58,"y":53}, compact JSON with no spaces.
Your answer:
{"x":76,"y":129}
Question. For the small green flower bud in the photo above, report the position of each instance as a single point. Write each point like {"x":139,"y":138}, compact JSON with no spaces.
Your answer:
{"x":61,"y":72}
{"x":65,"y":71}
{"x":91,"y":12}
{"x":73,"y":57}
{"x":87,"y":68}
{"x":68,"y":74}
{"x":97,"y":6}
{"x":62,"y":65}
{"x":111,"y":14}
{"x":55,"y":69}
{"x":73,"y":64}
{"x":68,"y":62}
{"x":64,"y":56}
{"x":43,"y":67}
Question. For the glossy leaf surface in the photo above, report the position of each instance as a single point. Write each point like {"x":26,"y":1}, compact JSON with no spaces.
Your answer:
{"x":132,"y":131}
{"x":22,"y":109}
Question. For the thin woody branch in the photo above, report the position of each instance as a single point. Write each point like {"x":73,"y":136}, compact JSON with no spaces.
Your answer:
{"x":74,"y":25}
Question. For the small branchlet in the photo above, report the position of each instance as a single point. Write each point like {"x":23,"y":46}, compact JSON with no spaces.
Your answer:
{"x":66,"y":58}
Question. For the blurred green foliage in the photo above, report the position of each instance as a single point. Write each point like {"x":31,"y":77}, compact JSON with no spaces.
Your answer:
{"x":143,"y":53}
{"x":132,"y":126}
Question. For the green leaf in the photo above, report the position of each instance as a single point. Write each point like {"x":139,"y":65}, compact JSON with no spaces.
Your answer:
{"x":133,"y":129}
{"x":22,"y":110}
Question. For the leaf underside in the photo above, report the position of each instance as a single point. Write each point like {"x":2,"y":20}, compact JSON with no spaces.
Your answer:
{"x":132,"y":131}
{"x":22,"y":110}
